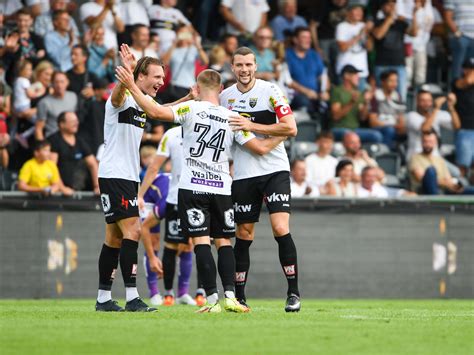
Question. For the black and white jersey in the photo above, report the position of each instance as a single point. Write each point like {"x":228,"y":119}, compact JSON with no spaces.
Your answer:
{"x":171,"y":146}
{"x":207,"y":140}
{"x":263,"y":104}
{"x":123,"y":131}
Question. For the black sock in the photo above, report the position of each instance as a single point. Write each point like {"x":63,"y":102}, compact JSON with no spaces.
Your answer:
{"x":242,"y":266}
{"x":206,"y":267}
{"x":199,"y":281}
{"x":108,"y":263}
{"x":169,"y":267}
{"x":289,"y":262}
{"x":128,"y":262}
{"x":226,"y":267}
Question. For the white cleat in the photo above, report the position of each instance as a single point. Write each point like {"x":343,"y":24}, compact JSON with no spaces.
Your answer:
{"x":187,"y":300}
{"x":156,"y":300}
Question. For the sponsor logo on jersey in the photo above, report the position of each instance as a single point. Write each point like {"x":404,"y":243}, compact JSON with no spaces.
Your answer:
{"x":230,"y":101}
{"x":240,"y":276}
{"x":105,"y":199}
{"x":274,"y":197}
{"x":202,"y":114}
{"x":229,"y":218}
{"x":133,"y":116}
{"x":195,"y":217}
{"x":242,"y":101}
{"x":242,"y":208}
{"x":246,"y":115}
{"x":253,"y":101}
{"x":289,"y":270}
{"x":183,"y":110}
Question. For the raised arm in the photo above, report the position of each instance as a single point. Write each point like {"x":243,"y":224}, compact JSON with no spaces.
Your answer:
{"x":118,"y":93}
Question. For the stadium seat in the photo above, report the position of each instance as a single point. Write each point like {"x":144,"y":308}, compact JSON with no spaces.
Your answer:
{"x":302,"y":149}
{"x":307,"y":131}
{"x":390,"y":163}
{"x":448,"y":137}
{"x":338,"y":150}
{"x":376,"y":149}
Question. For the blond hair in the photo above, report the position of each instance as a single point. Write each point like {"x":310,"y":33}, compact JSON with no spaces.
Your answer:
{"x":41,"y":67}
{"x":147,"y":151}
{"x":209,"y":79}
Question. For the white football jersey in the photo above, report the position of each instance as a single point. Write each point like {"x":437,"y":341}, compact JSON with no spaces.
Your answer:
{"x":207,"y":140}
{"x":171,"y":146}
{"x":258,"y":105}
{"x":123,"y":131}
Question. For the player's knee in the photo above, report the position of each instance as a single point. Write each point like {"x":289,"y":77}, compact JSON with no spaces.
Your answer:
{"x":280,"y":229}
{"x":245,"y":232}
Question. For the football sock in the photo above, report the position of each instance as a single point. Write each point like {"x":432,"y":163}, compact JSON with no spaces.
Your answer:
{"x":213,"y":298}
{"x":128,"y":262}
{"x":226,"y":267}
{"x":288,"y":261}
{"x":185,"y":267}
{"x":199,"y":282}
{"x":229,"y":294}
{"x":108,"y":263}
{"x":206,"y":267}
{"x":131,"y":293}
{"x":242,"y":266}
{"x":169,"y":267}
{"x":151,"y":277}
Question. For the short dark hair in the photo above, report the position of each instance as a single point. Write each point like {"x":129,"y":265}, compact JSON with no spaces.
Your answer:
{"x":85,"y":51}
{"x":24,"y":11}
{"x":341,"y":165}
{"x":300,"y":29}
{"x":38,"y":145}
{"x":136,"y":27}
{"x":366,"y":169}
{"x":296,"y":161}
{"x":326,"y":134}
{"x":62,"y":117}
{"x":421,"y":92}
{"x":58,"y":13}
{"x":56,"y":73}
{"x":386,"y":74}
{"x":226,"y":36}
{"x":144,"y":63}
{"x":243,"y":51}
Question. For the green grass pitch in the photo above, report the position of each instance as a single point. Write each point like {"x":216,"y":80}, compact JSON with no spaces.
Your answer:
{"x":322,"y":327}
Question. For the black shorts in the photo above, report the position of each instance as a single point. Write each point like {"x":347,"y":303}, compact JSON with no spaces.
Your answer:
{"x":119,"y":199}
{"x":248,"y":195}
{"x":172,"y":231}
{"x":205,"y":214}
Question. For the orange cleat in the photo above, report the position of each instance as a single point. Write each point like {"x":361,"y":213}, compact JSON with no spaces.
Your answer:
{"x":168,"y":301}
{"x":200,"y":300}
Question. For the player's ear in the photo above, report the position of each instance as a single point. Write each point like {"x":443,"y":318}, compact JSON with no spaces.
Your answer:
{"x":221,"y":88}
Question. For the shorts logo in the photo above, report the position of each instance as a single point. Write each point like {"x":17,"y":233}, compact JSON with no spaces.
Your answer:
{"x":105,"y":199}
{"x":195,"y":217}
{"x":240,"y":276}
{"x":229,"y":218}
{"x":289,"y":270}
{"x":253,"y":101}
{"x":242,"y":208}
{"x":173,"y":227}
{"x":274,"y":197}
{"x":124,"y":203}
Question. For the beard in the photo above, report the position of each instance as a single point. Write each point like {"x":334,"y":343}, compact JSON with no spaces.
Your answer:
{"x":427,"y":150}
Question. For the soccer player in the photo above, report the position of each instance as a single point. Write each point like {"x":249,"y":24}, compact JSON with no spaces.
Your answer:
{"x":264,"y":111}
{"x":204,"y":196}
{"x":118,"y":183}
{"x":171,"y":146}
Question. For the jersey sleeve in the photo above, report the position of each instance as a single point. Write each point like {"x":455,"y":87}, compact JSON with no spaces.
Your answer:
{"x":182,"y":112}
{"x":126,"y":104}
{"x":163,"y":147}
{"x":278,"y":103}
{"x":242,"y":137}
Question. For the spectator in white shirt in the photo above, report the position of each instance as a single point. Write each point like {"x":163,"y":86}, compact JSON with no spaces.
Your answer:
{"x":244,"y":17}
{"x":299,"y":186}
{"x":369,"y":187}
{"x":321,"y":166}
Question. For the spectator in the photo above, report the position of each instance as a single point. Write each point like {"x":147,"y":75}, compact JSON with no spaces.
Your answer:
{"x":73,"y":156}
{"x":218,"y":62}
{"x":59,"y":42}
{"x":417,"y":61}
{"x":101,"y":60}
{"x":22,"y":44}
{"x":306,"y":69}
{"x":49,"y":108}
{"x":321,"y":166}
{"x":464,"y":91}
{"x":42,"y":75}
{"x":369,"y":186}
{"x":244,"y":17}
{"x":140,"y":42}
{"x":350,"y":107}
{"x":80,"y":79}
{"x":264,"y":55}
{"x":40,"y":174}
{"x":164,"y":20}
{"x":102,"y":13}
{"x":284,"y":81}
{"x":459,"y":17}
{"x":44,"y":22}
{"x":133,"y":13}
{"x":429,"y":173}
{"x":229,"y":43}
{"x":342,"y":185}
{"x":428,"y":115}
{"x":358,"y":156}
{"x":4,"y":141}
{"x":387,"y":113}
{"x":288,"y":20}
{"x":389,"y":33}
{"x":181,"y":58}
{"x":207,"y":20}
{"x":353,"y":40}
{"x":299,"y":186}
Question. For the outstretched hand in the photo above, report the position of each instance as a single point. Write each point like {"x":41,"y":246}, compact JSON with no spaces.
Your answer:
{"x":127,"y":57}
{"x":125,"y":76}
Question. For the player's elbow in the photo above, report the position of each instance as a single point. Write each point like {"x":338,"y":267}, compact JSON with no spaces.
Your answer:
{"x":292,"y":131}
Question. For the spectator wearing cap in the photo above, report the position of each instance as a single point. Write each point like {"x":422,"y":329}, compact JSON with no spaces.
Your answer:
{"x":387,"y":112}
{"x":59,"y":42}
{"x":464,"y":90}
{"x":354,"y":40}
{"x":389,"y":33}
{"x":459,"y":17}
{"x":44,"y":22}
{"x":429,"y":116}
{"x":264,"y":54}
{"x":350,"y":107}
{"x":299,"y":186}
{"x":287,"y":20}
{"x":306,"y":69}
{"x":140,"y":42}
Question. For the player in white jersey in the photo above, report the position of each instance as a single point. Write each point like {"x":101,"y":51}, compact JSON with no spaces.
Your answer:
{"x":171,"y":147}
{"x":204,"y":196}
{"x":118,"y":183}
{"x":261,"y":178}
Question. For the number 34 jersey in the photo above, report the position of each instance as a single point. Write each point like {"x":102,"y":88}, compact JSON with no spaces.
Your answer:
{"x":207,"y":140}
{"x":262,"y":104}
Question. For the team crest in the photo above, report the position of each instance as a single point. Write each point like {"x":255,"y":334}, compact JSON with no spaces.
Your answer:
{"x":173,"y":227}
{"x":105,"y":199}
{"x":253,"y":101}
{"x":195,"y":217}
{"x":229,"y":218}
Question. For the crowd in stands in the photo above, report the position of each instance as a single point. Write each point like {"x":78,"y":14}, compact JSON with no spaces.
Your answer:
{"x":385,"y":86}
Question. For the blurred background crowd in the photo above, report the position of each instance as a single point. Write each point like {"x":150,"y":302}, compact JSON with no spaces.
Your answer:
{"x":382,"y":90}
